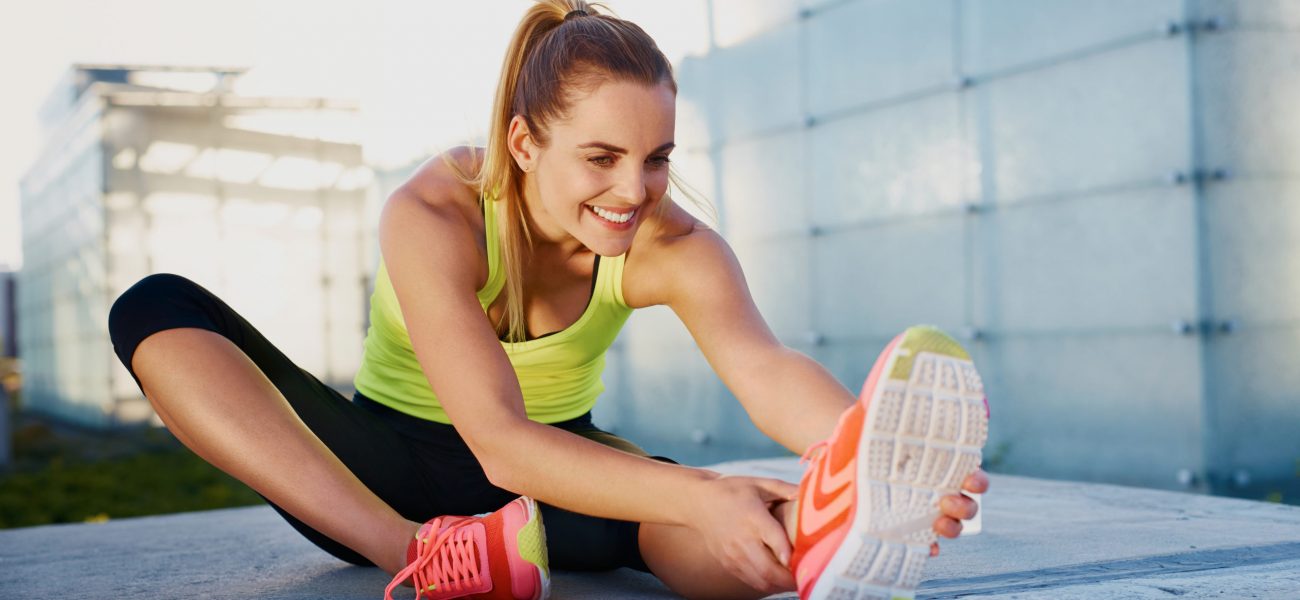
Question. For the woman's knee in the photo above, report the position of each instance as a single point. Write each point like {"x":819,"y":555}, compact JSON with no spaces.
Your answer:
{"x":143,"y":298}
{"x":148,"y":306}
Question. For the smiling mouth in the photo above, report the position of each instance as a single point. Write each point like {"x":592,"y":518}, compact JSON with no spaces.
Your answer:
{"x":611,"y":216}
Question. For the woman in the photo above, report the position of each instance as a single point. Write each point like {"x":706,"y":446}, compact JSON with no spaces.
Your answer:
{"x":504,"y":278}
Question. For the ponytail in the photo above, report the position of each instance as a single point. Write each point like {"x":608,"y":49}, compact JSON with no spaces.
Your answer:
{"x":558,"y":45}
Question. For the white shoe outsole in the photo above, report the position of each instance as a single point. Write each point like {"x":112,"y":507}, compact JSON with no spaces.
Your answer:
{"x":921,"y":439}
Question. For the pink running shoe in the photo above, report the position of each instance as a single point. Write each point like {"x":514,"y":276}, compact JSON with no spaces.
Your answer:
{"x":868,"y":501}
{"x":499,"y":556}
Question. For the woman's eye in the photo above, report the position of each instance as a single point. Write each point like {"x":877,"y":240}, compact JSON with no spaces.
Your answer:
{"x":659,"y":161}
{"x":601,"y":161}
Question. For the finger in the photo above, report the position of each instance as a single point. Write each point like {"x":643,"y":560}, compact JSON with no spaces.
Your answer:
{"x":977,"y":482}
{"x":772,"y":490}
{"x":775,"y":539}
{"x":775,"y":577}
{"x":947,"y":527}
{"x":776,"y":544}
{"x":934,"y":549}
{"x":957,"y":507}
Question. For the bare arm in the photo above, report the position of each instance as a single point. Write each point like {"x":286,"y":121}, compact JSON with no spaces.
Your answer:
{"x":789,"y":397}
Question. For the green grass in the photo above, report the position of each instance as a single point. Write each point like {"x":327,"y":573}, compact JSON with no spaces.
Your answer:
{"x":65,"y":475}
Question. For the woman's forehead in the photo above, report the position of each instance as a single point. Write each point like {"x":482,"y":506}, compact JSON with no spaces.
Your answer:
{"x":629,"y":115}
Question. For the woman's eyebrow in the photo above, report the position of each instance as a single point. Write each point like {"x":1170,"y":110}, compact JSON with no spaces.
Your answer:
{"x":618,"y":150}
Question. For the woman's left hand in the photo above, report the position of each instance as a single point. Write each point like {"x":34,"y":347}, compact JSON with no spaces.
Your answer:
{"x":958,"y":507}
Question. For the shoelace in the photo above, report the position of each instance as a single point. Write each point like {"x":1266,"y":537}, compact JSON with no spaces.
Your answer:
{"x":809,"y":454}
{"x":450,"y":563}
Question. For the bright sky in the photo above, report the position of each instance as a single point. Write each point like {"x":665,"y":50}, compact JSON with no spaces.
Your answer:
{"x":423,"y":71}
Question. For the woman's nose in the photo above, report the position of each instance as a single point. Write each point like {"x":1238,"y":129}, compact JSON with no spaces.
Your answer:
{"x":631,"y":186}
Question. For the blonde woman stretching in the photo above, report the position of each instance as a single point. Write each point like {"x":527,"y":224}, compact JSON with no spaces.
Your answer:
{"x":505,"y":276}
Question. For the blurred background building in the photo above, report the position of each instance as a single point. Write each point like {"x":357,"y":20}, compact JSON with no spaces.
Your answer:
{"x":163,"y":169}
{"x":1099,"y":196}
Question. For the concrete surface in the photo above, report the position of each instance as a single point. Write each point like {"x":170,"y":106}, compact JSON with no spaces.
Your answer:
{"x":1041,"y":539}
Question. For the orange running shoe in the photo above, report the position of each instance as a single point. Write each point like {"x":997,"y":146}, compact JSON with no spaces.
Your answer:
{"x":868,"y":501}
{"x":499,"y":556}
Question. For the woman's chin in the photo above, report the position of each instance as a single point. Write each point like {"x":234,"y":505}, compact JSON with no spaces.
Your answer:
{"x":604,"y":241}
{"x":606,"y":247}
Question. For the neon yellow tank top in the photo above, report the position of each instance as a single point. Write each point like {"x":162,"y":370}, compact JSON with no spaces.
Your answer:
{"x":559,"y":374}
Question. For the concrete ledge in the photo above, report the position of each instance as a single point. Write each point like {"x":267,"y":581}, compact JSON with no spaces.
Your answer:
{"x":1041,"y":539}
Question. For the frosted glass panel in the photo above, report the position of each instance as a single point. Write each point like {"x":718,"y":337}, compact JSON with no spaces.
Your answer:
{"x":850,"y":362}
{"x":902,"y":160}
{"x":1254,"y":245}
{"x":1114,"y":408}
{"x":670,"y":387}
{"x":1252,"y":14}
{"x":1110,"y":119}
{"x":1249,"y":87}
{"x":657,"y":326}
{"x":778,"y":275}
{"x":763,"y":185}
{"x":1125,"y":260}
{"x":878,"y":280}
{"x":1254,"y":382}
{"x":864,"y":51}
{"x":1007,"y":33}
{"x":757,"y":85}
{"x":695,"y":91}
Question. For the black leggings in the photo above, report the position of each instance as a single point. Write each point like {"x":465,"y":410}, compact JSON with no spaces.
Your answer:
{"x":421,"y":468}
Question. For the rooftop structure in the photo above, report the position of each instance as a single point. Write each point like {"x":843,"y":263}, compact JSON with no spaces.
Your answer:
{"x":165,"y":169}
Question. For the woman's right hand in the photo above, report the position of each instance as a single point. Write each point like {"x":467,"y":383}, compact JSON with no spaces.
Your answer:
{"x":734,"y":516}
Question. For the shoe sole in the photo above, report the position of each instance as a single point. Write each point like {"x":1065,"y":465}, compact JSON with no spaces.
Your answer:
{"x":923,"y":435}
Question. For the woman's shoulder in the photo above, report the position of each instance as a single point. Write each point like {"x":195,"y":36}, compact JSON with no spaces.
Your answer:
{"x":442,"y":208}
{"x":438,"y":182}
{"x":665,"y":243}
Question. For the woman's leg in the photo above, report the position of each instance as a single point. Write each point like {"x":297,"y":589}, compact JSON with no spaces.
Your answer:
{"x":677,"y":556}
{"x":674,"y":554}
{"x":253,"y":435}
{"x":233,"y":399}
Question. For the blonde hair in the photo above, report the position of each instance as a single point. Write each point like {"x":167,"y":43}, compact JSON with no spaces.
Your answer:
{"x":559,"y":49}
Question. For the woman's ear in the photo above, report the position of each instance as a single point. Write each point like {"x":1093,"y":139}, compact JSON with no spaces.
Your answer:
{"x":521,"y":144}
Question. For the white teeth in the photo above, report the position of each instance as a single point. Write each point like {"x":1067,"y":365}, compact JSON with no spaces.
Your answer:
{"x":612,"y":216}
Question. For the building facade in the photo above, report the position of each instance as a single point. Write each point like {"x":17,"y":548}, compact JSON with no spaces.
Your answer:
{"x":158,"y":169}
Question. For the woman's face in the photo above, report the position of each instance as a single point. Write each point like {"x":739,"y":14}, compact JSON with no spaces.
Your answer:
{"x":606,"y":166}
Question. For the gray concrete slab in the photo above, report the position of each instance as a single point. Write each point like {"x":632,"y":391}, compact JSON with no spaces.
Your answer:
{"x":1041,"y":539}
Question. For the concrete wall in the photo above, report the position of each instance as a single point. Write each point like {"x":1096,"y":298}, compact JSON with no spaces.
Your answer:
{"x":1083,"y":191}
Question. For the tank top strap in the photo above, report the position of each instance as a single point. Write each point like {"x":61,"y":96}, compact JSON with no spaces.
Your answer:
{"x":496,"y":277}
{"x":615,"y":267}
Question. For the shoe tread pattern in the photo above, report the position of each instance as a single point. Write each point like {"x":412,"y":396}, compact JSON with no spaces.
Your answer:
{"x":925,"y":436}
